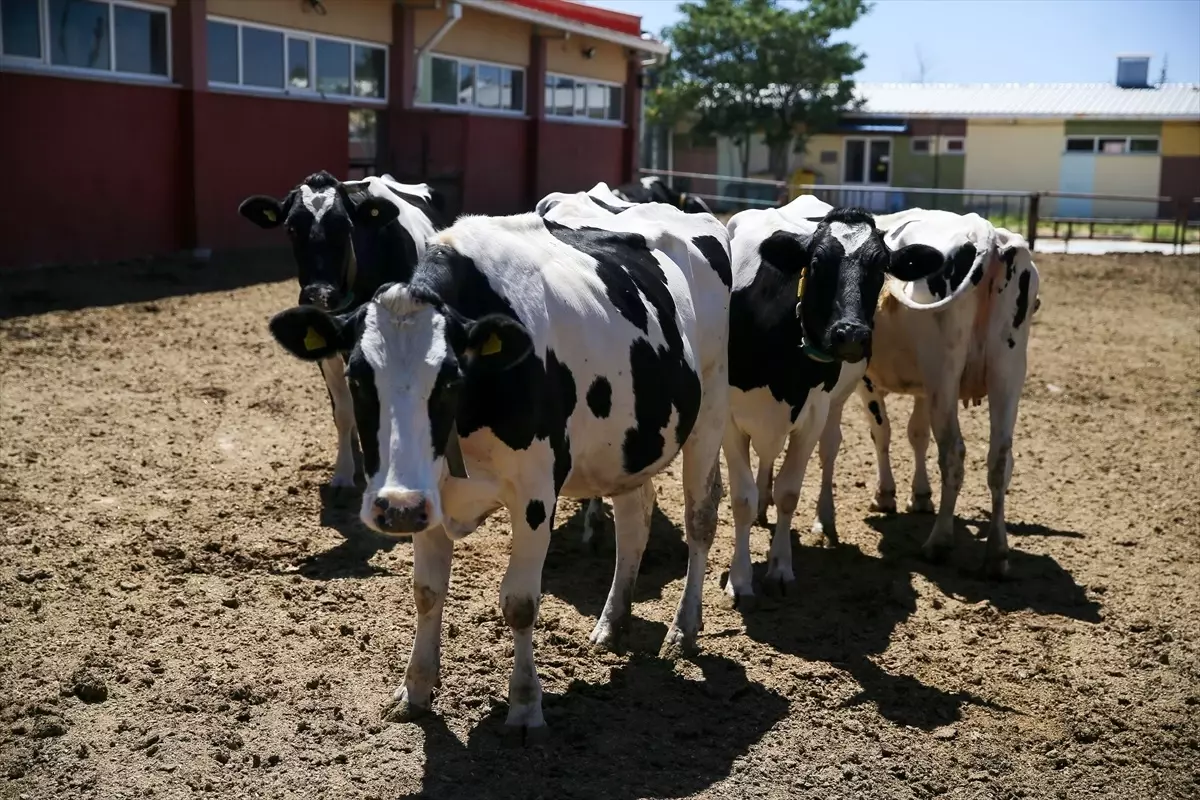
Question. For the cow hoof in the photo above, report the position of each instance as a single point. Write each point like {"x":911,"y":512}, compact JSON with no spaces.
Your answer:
{"x":607,"y":637}
{"x":884,"y":503}
{"x":995,"y":567}
{"x":401,"y":710}
{"x":779,"y":586}
{"x":743,"y":601}
{"x":520,"y":735}
{"x":677,"y":645}
{"x":920,"y":504}
{"x":827,"y":532}
{"x":344,"y":496}
{"x":936,"y":552}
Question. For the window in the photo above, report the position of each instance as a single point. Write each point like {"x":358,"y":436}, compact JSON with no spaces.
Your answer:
{"x":580,"y":98}
{"x":1113,"y":145}
{"x":93,"y":35}
{"x":929,"y":145}
{"x":266,"y":58}
{"x":921,"y":145}
{"x":956,"y":144}
{"x":829,"y":156}
{"x":868,"y":161}
{"x":364,"y":138}
{"x":468,"y":84}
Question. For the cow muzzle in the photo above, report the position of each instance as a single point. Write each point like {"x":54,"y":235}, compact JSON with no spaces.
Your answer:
{"x":321,"y":295}
{"x":851,"y":341}
{"x":399,"y":512}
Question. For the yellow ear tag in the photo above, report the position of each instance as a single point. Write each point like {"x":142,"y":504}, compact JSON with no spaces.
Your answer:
{"x":800,"y":285}
{"x":491,"y":346}
{"x":374,"y":212}
{"x":313,"y":340}
{"x":269,"y":214}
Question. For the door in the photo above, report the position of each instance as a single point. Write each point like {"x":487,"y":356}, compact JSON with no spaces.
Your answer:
{"x":868,"y":162}
{"x":1077,"y":174}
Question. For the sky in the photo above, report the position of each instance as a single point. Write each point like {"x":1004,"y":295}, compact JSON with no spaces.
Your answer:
{"x":1005,"y":41}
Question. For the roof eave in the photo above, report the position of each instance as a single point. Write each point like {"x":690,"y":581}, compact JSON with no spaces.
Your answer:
{"x":580,"y":28}
{"x":1020,"y":115}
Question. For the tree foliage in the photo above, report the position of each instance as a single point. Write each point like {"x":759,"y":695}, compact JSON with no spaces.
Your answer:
{"x":739,"y":68}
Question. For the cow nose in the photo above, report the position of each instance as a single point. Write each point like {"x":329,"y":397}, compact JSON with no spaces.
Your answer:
{"x":400,"y":512}
{"x":320,"y":295}
{"x":851,"y":341}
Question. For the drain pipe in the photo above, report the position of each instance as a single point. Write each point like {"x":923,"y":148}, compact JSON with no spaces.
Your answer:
{"x":453,"y":15}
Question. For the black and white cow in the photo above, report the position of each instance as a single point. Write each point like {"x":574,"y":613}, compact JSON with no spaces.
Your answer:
{"x":960,"y":334}
{"x":348,"y":239}
{"x":806,"y":278}
{"x":599,"y":196}
{"x":527,"y":359}
{"x":654,"y":189}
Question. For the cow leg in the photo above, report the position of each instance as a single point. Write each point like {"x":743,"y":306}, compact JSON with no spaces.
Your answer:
{"x":921,"y":501}
{"x":831,"y":441}
{"x":631,"y":521}
{"x":779,"y":575}
{"x":432,"y":553}
{"x":763,"y":483}
{"x":333,"y":371}
{"x":881,"y":435}
{"x":593,"y":520}
{"x":1004,"y":393}
{"x":701,"y":499}
{"x":520,"y":596}
{"x":743,"y":495}
{"x":952,"y":454}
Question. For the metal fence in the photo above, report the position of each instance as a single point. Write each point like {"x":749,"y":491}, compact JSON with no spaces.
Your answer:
{"x":1174,"y":221}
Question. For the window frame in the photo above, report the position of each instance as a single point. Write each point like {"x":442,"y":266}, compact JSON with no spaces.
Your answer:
{"x":43,"y":63}
{"x":473,"y":107}
{"x":961,"y":151}
{"x":929,"y":145}
{"x":867,"y":141}
{"x":585,"y":118}
{"x":1128,"y":140}
{"x":311,"y":92}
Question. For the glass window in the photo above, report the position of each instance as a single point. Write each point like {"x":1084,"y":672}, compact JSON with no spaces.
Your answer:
{"x":880,"y":161}
{"x":1081,"y":145}
{"x":22,"y":34}
{"x":141,"y":39}
{"x":513,"y":91}
{"x":370,"y":64}
{"x":597,"y":101}
{"x":298,"y":72}
{"x":580,"y":105}
{"x":364,"y":135}
{"x":466,"y":84}
{"x":333,"y":67}
{"x":856,"y":161}
{"x":262,"y":58}
{"x":616,"y":106}
{"x":1112,"y":146}
{"x":79,"y":34}
{"x":444,"y":81}
{"x":564,"y":97}
{"x":956,"y":145}
{"x":1143,"y":145}
{"x":920,"y":145}
{"x":487,"y":89}
{"x":222,"y":53}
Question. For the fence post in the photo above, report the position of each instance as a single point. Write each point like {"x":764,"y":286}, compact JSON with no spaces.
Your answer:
{"x":1032,"y":224}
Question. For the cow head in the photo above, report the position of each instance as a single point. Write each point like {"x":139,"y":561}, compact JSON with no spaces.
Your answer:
{"x":409,"y":358}
{"x":840,"y":269}
{"x":662,"y":193}
{"x":320,"y":216}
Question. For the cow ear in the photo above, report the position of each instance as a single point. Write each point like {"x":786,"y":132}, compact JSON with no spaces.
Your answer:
{"x":786,"y":251}
{"x":915,"y":261}
{"x":263,"y":211}
{"x":495,"y":343}
{"x":375,"y":212}
{"x":311,"y":333}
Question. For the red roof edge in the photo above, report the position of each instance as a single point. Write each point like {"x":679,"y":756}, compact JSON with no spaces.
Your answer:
{"x":587,"y":14}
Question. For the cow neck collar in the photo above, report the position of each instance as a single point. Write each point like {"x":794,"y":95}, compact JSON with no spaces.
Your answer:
{"x":808,"y":348}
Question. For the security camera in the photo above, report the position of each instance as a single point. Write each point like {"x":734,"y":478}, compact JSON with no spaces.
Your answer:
{"x":589,"y":52}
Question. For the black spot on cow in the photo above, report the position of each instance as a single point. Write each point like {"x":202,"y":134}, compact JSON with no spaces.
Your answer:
{"x":609,"y":208}
{"x":366,"y":409}
{"x":1022,"y":299}
{"x":960,"y":266}
{"x":718,"y":259}
{"x":565,"y":382}
{"x":873,"y":407}
{"x":535,"y":514}
{"x":867,"y":382}
{"x":562,"y":461}
{"x":1009,"y":257}
{"x":442,"y":405}
{"x":599,"y":397}
{"x":1011,"y":343}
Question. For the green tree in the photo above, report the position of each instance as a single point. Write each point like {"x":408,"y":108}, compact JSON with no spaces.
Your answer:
{"x":740,"y":68}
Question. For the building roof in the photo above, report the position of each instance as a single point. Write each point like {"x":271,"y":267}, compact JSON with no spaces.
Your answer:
{"x":577,"y":18}
{"x":1059,"y":100}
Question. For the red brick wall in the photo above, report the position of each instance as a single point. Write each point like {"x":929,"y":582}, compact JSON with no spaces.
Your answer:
{"x":573,"y":157}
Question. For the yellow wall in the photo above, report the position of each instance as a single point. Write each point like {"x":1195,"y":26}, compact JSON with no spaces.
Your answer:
{"x":826,"y":173}
{"x":369,"y":20}
{"x":1181,"y":139}
{"x":566,"y":57}
{"x":1023,"y":157}
{"x":487,"y":37}
{"x":1130,"y":175}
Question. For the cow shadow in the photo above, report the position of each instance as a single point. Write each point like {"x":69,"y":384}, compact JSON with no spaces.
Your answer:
{"x":647,"y":732}
{"x":581,"y":574}
{"x":1035,"y":582}
{"x":844,"y":609}
{"x":350,"y":558}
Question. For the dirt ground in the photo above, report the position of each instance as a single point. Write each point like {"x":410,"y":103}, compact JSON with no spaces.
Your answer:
{"x":181,"y":615}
